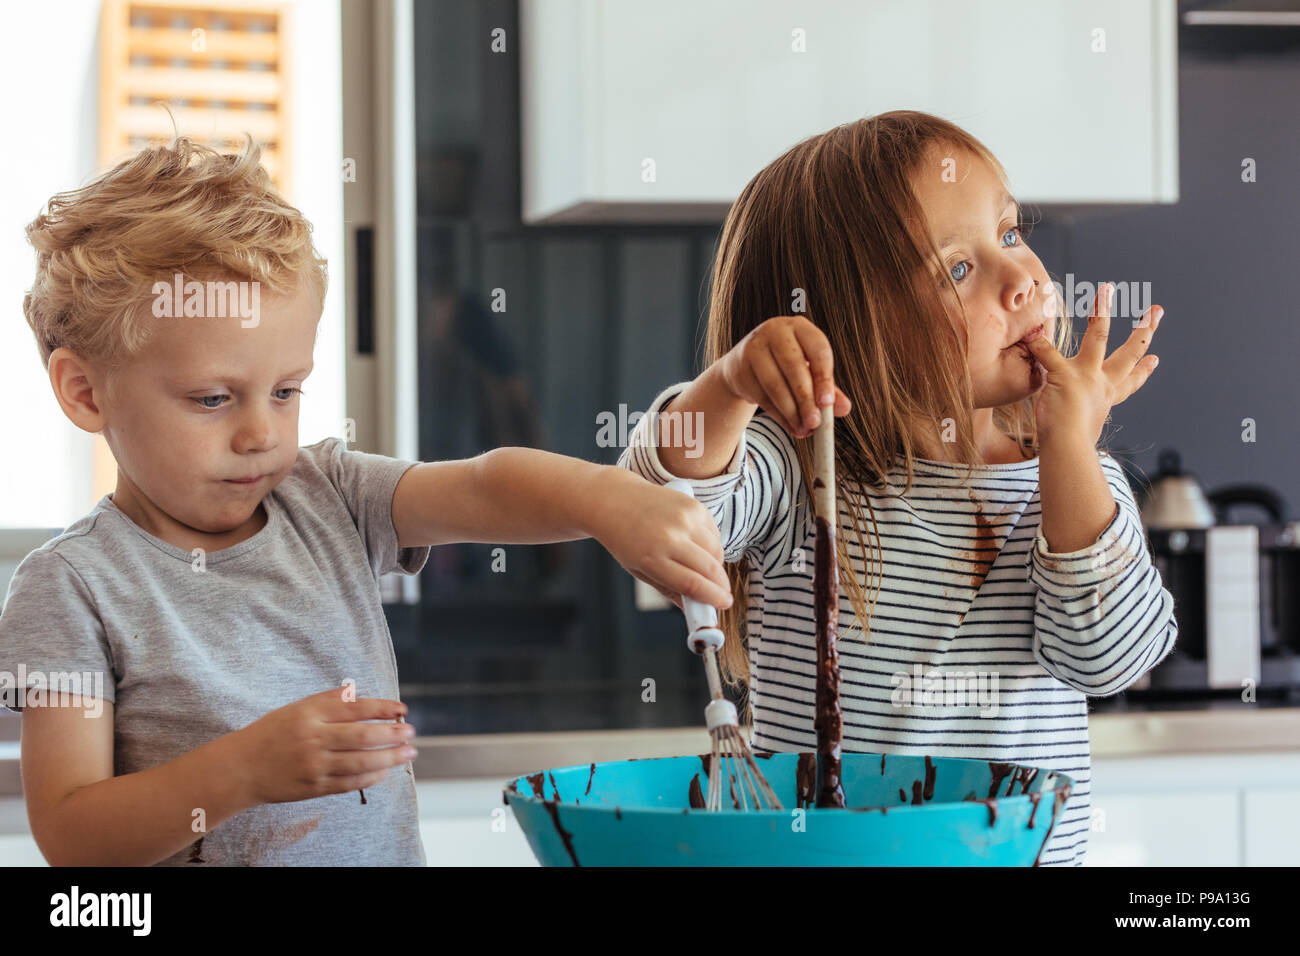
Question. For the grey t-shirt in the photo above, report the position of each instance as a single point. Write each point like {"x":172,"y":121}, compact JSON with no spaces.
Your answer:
{"x":190,"y":655}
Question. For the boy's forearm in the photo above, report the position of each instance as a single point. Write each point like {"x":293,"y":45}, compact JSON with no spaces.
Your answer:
{"x":1077,"y":501}
{"x":530,"y":496}
{"x":142,"y":818}
{"x":722,"y":421}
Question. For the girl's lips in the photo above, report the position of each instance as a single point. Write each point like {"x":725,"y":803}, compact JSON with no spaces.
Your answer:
{"x":1029,"y":337}
{"x":245,"y":481}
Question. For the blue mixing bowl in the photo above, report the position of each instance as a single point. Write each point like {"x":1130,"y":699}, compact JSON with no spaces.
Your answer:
{"x":903,"y":811}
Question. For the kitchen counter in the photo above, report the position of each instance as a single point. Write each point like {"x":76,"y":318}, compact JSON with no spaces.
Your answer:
{"x":1127,"y":734}
{"x":1238,"y":729}
{"x":1231,"y":775}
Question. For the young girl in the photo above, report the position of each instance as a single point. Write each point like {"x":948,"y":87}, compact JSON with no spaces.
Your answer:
{"x":998,"y":544}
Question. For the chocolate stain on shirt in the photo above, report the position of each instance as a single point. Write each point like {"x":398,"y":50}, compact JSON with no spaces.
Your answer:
{"x":296,"y":831}
{"x":986,"y":540}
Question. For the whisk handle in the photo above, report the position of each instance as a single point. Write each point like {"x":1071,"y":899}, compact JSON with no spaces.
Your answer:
{"x":701,"y":619}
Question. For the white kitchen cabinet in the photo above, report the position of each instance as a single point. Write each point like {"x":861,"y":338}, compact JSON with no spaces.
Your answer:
{"x":1078,"y":100}
{"x":1166,"y":829}
{"x":1212,"y":809}
{"x":1272,"y":827}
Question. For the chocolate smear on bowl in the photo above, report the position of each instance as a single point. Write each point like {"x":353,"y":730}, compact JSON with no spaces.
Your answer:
{"x":565,"y":835}
{"x":1033,"y":802}
{"x":536,"y":781}
{"x":696,"y":795}
{"x":1000,"y":772}
{"x":1062,"y":794}
{"x":805,"y":778}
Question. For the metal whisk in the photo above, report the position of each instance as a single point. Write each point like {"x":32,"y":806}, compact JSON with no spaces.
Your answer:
{"x":748,"y":788}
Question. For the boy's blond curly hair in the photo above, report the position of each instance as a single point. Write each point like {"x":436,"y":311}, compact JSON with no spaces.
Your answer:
{"x":183,"y":207}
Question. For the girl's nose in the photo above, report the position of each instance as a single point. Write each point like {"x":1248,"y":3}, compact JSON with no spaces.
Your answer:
{"x":1021,"y":290}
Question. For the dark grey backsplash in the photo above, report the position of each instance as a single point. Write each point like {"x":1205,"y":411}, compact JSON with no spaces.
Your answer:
{"x":1220,"y":261}
{"x":599,"y":317}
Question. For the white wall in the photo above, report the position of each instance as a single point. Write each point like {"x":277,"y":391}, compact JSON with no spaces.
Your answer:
{"x":49,"y":61}
{"x":44,"y":459}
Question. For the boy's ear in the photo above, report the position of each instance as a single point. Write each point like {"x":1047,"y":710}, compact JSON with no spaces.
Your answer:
{"x":79,"y":388}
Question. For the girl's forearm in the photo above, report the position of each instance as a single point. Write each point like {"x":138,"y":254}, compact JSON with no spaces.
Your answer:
{"x":718,"y":421}
{"x":1077,"y":501}
{"x":139,"y":819}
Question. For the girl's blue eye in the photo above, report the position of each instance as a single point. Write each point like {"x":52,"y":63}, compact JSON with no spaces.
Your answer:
{"x":1013,"y":231}
{"x":204,"y":398}
{"x":290,"y":390}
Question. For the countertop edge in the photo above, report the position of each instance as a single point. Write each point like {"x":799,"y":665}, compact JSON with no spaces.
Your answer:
{"x":1112,"y":735}
{"x":1133,"y":734}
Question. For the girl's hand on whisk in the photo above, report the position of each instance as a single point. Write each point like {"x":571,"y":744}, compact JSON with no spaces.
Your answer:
{"x":784,"y":366}
{"x":1080,"y":391}
{"x":664,"y":538}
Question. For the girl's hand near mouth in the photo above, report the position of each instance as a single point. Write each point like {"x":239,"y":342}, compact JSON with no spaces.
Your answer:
{"x":1080,"y":391}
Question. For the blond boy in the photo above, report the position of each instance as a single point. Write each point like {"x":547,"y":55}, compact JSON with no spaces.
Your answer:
{"x":225,"y":596}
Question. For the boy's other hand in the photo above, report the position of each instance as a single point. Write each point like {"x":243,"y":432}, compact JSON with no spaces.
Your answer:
{"x":660,"y":536}
{"x":317,"y":746}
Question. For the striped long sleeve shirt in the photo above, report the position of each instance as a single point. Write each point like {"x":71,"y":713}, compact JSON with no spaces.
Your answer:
{"x":968,"y":587}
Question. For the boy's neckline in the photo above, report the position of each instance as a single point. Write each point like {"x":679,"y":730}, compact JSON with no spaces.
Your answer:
{"x":253,"y":541}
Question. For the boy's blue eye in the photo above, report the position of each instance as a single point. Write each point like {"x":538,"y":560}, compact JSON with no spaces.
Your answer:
{"x":219,"y":400}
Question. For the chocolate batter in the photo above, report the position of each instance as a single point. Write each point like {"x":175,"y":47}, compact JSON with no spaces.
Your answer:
{"x":829,"y":722}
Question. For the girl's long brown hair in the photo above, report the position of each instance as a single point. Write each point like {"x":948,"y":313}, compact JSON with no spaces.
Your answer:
{"x":836,"y":217}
